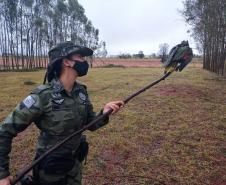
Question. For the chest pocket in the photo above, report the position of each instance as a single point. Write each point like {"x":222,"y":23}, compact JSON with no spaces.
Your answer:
{"x":62,"y":114}
{"x":63,"y":121}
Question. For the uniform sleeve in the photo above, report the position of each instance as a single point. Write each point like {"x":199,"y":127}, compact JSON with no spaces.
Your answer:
{"x":18,"y":120}
{"x":92,"y":115}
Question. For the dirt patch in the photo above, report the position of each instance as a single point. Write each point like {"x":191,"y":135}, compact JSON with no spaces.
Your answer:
{"x":113,"y":157}
{"x":150,"y":148}
{"x":128,"y":62}
{"x":178,"y":91}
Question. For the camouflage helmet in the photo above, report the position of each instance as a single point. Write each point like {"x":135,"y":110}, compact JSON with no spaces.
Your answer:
{"x":65,"y":49}
{"x":60,"y":51}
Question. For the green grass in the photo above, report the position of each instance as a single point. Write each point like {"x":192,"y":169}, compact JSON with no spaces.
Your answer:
{"x":174,"y":133}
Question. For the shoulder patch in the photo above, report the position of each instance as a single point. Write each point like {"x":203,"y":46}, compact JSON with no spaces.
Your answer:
{"x":29,"y":101}
{"x":40,"y":88}
{"x":82,"y":96}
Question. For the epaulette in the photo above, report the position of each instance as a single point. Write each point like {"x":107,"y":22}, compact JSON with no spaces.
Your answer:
{"x":40,"y":88}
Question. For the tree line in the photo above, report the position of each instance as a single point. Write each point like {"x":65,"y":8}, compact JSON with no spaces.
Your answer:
{"x":30,"y":27}
{"x":208,"y":21}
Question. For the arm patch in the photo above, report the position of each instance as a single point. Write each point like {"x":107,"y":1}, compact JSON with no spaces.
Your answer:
{"x":29,"y":101}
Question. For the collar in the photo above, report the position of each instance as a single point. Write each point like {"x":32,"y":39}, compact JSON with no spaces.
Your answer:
{"x":57,"y":86}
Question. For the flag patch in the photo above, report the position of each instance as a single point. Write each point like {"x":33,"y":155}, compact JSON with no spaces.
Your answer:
{"x":29,"y":101}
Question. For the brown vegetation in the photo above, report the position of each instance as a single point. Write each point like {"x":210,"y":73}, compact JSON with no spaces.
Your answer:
{"x":173,"y":133}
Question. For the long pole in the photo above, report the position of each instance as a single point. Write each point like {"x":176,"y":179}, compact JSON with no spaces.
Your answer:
{"x":34,"y":163}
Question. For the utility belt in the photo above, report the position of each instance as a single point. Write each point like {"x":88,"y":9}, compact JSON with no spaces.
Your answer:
{"x":58,"y":162}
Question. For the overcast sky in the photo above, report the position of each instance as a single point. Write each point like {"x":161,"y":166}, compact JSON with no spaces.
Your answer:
{"x":129,"y":26}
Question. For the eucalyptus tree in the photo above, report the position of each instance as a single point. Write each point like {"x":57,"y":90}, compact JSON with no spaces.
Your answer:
{"x":77,"y":21}
{"x":8,"y":19}
{"x":31,"y":27}
{"x":208,"y":21}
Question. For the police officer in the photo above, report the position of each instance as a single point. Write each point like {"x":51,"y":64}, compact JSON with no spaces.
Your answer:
{"x":58,"y":108}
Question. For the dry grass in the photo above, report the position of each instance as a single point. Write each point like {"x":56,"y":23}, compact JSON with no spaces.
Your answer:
{"x":174,"y":133}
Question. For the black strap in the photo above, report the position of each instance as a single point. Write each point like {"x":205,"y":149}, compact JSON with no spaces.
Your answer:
{"x":44,"y":81}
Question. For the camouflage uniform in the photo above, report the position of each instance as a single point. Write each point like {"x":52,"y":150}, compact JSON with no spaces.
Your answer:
{"x":57,"y":114}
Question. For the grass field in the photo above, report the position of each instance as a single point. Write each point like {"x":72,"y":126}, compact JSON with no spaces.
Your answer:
{"x":174,"y":133}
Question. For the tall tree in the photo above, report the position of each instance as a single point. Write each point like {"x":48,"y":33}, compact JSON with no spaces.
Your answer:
{"x":208,"y":21}
{"x":163,"y":51}
{"x":31,"y":27}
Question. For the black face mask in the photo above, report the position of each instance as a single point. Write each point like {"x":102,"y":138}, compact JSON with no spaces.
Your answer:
{"x":81,"y":67}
